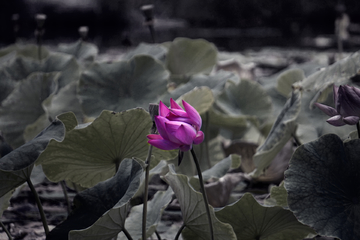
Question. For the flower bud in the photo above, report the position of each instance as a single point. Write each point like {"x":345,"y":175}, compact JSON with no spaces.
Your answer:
{"x":178,"y":128}
{"x":347,"y":104}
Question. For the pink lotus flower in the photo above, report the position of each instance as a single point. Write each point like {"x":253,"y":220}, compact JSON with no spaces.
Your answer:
{"x":178,"y":128}
{"x":347,"y":104}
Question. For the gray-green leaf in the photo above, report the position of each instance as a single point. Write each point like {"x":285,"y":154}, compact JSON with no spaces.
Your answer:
{"x":251,"y":221}
{"x":193,"y":211}
{"x":94,"y":208}
{"x":323,"y":186}
{"x":119,"y":86}
{"x":89,"y":155}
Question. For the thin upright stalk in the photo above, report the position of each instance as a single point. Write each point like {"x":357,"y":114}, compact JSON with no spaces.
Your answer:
{"x":146,"y":191}
{"x":5,"y":230}
{"x":38,"y":202}
{"x":157,"y":235}
{"x":127,"y":234}
{"x":152,"y":33}
{"x":178,"y":233}
{"x":358,"y":129}
{"x":63,"y":186}
{"x":203,"y":193}
{"x":207,"y":134}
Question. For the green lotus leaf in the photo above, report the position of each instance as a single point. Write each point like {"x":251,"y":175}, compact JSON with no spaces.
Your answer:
{"x":282,"y":130}
{"x":83,"y":51}
{"x":122,"y":85}
{"x":28,"y":50}
{"x":22,"y":67}
{"x":219,"y":170}
{"x":323,"y":186}
{"x":201,"y":98}
{"x":23,"y":105}
{"x":160,"y":168}
{"x":16,"y":166}
{"x":97,"y":209}
{"x":245,"y":99}
{"x":287,"y":79}
{"x":7,"y":85}
{"x":187,"y":57}
{"x":155,"y":210}
{"x":90,"y":154}
{"x":107,"y":226}
{"x":278,"y":196}
{"x":216,"y":82}
{"x":5,"y":202}
{"x":34,"y":128}
{"x":228,"y":121}
{"x":193,"y":211}
{"x":338,"y":73}
{"x":65,"y":100}
{"x":206,"y":159}
{"x":233,"y":161}
{"x":154,"y":50}
{"x":252,"y":221}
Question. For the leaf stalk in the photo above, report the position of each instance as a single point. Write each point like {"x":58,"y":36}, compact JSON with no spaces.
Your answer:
{"x":6,"y":230}
{"x":146,"y":191}
{"x":178,"y":233}
{"x":203,"y":193}
{"x":38,"y":202}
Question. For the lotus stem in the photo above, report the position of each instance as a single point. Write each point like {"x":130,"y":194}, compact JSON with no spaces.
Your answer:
{"x":207,"y":134}
{"x":178,"y":233}
{"x":127,"y":234}
{"x":63,"y":186}
{"x":152,"y":33}
{"x":157,"y":235}
{"x":146,"y":191}
{"x":5,"y":230}
{"x":203,"y":193}
{"x":38,"y":202}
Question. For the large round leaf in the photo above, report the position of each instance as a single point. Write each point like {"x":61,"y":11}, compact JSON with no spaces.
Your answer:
{"x":193,"y":211}
{"x":101,"y":201}
{"x":338,"y":73}
{"x":280,"y":133}
{"x":154,"y":50}
{"x":28,"y":50}
{"x":65,"y":100}
{"x":201,"y":98}
{"x":155,"y":208}
{"x":323,"y":186}
{"x":245,"y":99}
{"x":122,"y":85}
{"x":287,"y":78}
{"x":251,"y":221}
{"x":7,"y":85}
{"x":187,"y":57}
{"x":22,"y":67}
{"x":278,"y":196}
{"x":5,"y":202}
{"x":16,"y":166}
{"x":215,"y":82}
{"x":23,"y":105}
{"x":89,"y":155}
{"x":83,"y":51}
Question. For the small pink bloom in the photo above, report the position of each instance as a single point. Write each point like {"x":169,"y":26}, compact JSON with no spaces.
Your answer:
{"x":178,"y":128}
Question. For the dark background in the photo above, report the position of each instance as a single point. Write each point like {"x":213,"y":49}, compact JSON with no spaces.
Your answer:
{"x":117,"y":22}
